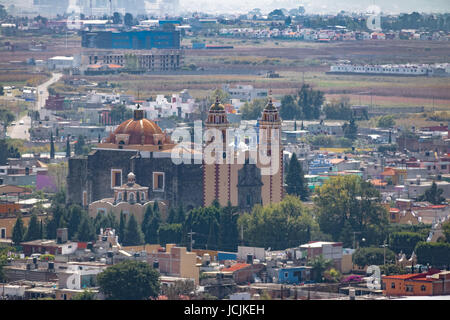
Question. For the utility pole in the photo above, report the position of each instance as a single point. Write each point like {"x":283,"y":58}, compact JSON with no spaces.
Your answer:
{"x":354,"y":238}
{"x":192,"y":241}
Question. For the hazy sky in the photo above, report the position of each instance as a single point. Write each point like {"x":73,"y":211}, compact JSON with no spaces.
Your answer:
{"x":317,"y":6}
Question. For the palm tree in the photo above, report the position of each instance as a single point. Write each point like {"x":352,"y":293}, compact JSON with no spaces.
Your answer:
{"x":319,"y":265}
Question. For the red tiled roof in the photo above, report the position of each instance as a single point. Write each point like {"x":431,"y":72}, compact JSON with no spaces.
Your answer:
{"x":402,"y":276}
{"x":388,"y":172}
{"x":394,"y":210}
{"x":378,"y":182}
{"x":236,"y":267}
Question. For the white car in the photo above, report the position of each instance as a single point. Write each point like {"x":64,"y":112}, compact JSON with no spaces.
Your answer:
{"x":21,"y":122}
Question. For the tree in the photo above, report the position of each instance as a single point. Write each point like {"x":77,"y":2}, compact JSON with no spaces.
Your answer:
{"x":128,"y":19}
{"x":437,"y":254}
{"x":224,"y":97}
{"x":122,"y":227}
{"x":86,"y":230}
{"x":252,"y":110}
{"x":170,"y":233}
{"x":58,"y":173}
{"x":339,"y":110}
{"x":295,"y":180}
{"x":205,"y":223}
{"x":6,"y":117}
{"x":228,"y":230}
{"x":372,"y":256}
{"x":79,"y":146}
{"x":75,"y":216}
{"x":310,"y":101}
{"x":319,"y":264}
{"x":18,"y":231}
{"x":350,"y":130}
{"x":120,"y":113}
{"x":279,"y":225}
{"x":103,"y":221}
{"x":289,"y":108}
{"x":85,"y":295}
{"x":386,"y":121}
{"x":34,"y":230}
{"x":68,"y":148}
{"x":433,"y":195}
{"x":7,"y":150}
{"x":52,"y":147}
{"x":133,"y":234}
{"x":117,"y":18}
{"x":405,"y":241}
{"x":129,"y":280}
{"x":446,"y":230}
{"x":1,"y":91}
{"x":150,"y":225}
{"x":350,"y":200}
{"x":276,"y":14}
{"x":179,"y":288}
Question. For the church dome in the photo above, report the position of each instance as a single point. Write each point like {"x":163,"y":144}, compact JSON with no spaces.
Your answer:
{"x":217,"y":115}
{"x":138,"y":131}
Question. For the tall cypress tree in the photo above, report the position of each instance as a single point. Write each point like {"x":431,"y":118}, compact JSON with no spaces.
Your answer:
{"x":68,"y":148}
{"x":295,"y":180}
{"x":228,"y":230}
{"x":86,"y":230}
{"x":172,"y":215}
{"x":33,"y":232}
{"x":18,"y":231}
{"x":180,"y":216}
{"x":133,"y":234}
{"x":52,"y":147}
{"x":122,"y":227}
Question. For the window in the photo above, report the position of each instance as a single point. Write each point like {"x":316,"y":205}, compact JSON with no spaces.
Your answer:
{"x":423,"y":288}
{"x":158,"y":181}
{"x":409,"y":289}
{"x":286,"y":275}
{"x":2,"y":233}
{"x":392,"y":285}
{"x":116,"y":178}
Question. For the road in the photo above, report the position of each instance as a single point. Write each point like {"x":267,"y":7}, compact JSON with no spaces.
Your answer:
{"x":21,"y":131}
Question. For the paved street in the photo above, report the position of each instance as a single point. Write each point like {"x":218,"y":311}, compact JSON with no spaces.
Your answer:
{"x":21,"y":131}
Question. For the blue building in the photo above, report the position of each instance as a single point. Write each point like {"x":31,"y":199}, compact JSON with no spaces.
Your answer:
{"x":294,"y":275}
{"x":135,"y":40}
{"x":320,"y":165}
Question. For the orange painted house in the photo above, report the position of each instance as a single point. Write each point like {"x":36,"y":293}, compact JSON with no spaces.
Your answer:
{"x":431,"y":283}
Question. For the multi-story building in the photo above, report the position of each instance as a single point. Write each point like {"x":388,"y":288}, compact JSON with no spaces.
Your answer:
{"x":135,"y":40}
{"x":136,"y":61}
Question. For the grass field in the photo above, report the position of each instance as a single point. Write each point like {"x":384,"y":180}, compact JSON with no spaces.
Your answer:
{"x":295,"y":61}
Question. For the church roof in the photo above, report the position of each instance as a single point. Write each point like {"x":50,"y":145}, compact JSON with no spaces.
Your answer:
{"x":139,"y":129}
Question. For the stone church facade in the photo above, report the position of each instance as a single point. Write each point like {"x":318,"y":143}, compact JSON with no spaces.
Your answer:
{"x":138,"y":145}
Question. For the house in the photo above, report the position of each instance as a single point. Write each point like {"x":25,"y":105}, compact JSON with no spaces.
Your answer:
{"x":48,"y":246}
{"x":432,"y":283}
{"x":175,"y":261}
{"x":329,"y":250}
{"x":79,"y":275}
{"x":244,"y":272}
{"x":293,"y":274}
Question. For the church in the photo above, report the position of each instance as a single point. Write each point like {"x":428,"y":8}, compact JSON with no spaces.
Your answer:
{"x":139,"y":146}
